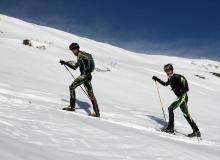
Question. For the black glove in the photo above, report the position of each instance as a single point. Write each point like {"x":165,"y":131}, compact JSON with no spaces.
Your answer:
{"x":62,"y":62}
{"x":155,"y":78}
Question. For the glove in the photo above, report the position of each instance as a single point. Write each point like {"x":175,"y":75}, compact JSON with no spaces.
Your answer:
{"x":155,"y":78}
{"x":62,"y":62}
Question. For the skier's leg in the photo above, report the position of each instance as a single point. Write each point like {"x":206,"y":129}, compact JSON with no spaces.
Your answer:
{"x":184,"y":108}
{"x":170,"y":127}
{"x":88,"y":87}
{"x":77,"y":82}
{"x":171,"y":109}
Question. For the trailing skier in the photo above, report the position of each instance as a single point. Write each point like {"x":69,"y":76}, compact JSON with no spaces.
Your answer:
{"x":86,"y":65}
{"x":180,"y":87}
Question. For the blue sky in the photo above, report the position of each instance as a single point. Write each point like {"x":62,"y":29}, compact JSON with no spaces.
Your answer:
{"x":187,"y":28}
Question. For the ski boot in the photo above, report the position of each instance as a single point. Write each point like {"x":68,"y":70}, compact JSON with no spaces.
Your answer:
{"x":95,"y":107}
{"x":168,"y":130}
{"x":194,"y":134}
{"x":69,"y":108}
{"x":93,"y":114}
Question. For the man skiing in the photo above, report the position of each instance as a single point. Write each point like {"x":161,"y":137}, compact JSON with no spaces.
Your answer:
{"x":180,"y":87}
{"x":86,"y":65}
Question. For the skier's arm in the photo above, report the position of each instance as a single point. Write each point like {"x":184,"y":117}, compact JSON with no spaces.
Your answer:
{"x":164,"y":83}
{"x":71,"y":65}
{"x":160,"y":81}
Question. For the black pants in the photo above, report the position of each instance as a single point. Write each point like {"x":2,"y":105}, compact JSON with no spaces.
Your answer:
{"x":182,"y":103}
{"x":86,"y":81}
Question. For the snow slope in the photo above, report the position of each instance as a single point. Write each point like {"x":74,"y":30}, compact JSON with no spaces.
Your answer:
{"x":33,"y":85}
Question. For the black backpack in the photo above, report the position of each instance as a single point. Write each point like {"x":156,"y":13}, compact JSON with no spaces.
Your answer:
{"x":186,"y":87}
{"x":92,"y":63}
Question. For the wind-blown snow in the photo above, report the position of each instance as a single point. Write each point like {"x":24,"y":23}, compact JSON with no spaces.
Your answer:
{"x":33,"y":85}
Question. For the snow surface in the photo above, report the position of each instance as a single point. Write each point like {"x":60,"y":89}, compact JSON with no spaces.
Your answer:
{"x":33,"y":85}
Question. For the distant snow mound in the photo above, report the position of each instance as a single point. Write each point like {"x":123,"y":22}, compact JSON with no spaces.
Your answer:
{"x":37,"y":44}
{"x":206,"y":64}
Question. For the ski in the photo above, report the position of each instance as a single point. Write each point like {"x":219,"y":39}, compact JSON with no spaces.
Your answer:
{"x":77,"y":113}
{"x":179,"y":134}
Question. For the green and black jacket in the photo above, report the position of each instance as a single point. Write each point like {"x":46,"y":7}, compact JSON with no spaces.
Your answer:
{"x":84,"y":62}
{"x":178,"y":84}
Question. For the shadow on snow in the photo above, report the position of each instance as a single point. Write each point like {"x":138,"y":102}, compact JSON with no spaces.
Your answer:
{"x":81,"y":105}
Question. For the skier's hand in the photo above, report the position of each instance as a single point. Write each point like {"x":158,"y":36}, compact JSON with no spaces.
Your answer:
{"x":73,"y":62}
{"x":154,"y":78}
{"x":62,"y":62}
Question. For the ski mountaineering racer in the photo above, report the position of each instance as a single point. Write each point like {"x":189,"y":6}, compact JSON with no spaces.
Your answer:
{"x":180,"y":88}
{"x":86,"y":65}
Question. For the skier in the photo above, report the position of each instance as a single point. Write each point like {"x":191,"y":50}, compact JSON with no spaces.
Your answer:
{"x":180,"y":87}
{"x":86,"y":64}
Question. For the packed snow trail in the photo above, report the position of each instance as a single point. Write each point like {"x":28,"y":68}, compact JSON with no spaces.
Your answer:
{"x":33,"y":85}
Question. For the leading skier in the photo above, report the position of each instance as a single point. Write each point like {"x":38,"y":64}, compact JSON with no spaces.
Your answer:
{"x":86,"y":64}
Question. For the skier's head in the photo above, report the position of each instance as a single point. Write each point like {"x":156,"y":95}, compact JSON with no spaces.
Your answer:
{"x":168,"y":68}
{"x":74,"y":47}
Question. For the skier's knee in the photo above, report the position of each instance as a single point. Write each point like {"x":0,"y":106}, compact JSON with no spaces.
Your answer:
{"x":170,"y":109}
{"x":91,"y":95}
{"x":72,"y":87}
{"x":72,"y":91}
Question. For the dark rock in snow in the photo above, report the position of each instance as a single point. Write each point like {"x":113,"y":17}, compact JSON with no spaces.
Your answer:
{"x":202,"y":77}
{"x":27,"y":42}
{"x":215,"y":74}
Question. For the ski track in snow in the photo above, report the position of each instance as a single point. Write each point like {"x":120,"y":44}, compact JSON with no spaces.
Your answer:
{"x":153,"y":130}
{"x":54,"y":143}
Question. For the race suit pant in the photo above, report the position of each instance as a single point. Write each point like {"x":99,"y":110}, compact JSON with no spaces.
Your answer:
{"x":86,"y":81}
{"x":182,"y":103}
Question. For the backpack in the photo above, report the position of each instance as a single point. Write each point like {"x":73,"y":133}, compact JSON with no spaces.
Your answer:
{"x":185,"y":86}
{"x":92,"y":63}
{"x":87,"y":60}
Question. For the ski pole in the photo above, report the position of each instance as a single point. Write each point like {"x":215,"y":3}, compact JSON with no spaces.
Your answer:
{"x":160,"y":101}
{"x":74,"y":79}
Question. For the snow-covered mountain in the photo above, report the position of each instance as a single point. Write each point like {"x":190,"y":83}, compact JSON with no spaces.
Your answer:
{"x":33,"y":85}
